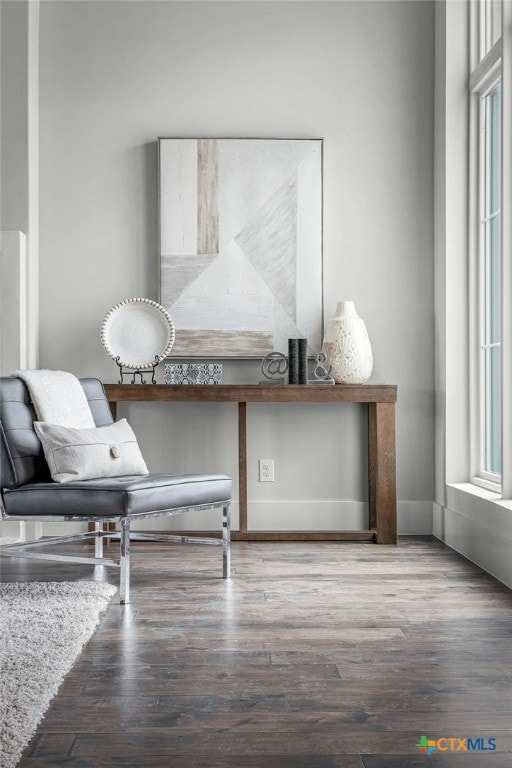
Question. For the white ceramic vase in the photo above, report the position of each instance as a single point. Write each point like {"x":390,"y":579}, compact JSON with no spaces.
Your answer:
{"x":347,"y":346}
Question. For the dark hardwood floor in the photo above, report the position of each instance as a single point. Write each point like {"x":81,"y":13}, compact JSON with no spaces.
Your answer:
{"x":314,"y":655}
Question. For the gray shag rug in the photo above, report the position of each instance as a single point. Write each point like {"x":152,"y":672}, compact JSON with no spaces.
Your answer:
{"x":43,"y":627}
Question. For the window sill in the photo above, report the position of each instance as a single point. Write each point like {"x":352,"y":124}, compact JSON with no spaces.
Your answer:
{"x":484,"y":507}
{"x":488,"y":485}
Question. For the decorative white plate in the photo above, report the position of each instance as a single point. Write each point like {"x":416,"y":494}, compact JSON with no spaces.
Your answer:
{"x":137,"y":333}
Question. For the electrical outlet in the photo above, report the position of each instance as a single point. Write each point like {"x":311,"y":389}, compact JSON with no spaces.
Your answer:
{"x":266,"y":467}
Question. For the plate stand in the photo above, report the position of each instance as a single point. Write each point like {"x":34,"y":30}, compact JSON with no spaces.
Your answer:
{"x":133,"y":372}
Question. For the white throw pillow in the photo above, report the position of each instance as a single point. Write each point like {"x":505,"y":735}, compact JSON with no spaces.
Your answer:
{"x":86,"y":454}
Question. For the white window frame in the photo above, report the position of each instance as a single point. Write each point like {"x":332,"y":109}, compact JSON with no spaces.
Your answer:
{"x":485,"y":27}
{"x":485,"y":76}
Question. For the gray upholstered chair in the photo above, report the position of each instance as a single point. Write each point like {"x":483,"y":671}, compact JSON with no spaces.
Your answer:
{"x":29,"y":494}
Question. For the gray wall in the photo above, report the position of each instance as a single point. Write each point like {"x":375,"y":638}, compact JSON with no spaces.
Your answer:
{"x":14,"y":110}
{"x":113,"y":77}
{"x":19,"y":152}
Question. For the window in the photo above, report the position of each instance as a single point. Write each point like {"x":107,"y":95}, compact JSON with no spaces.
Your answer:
{"x":485,"y":84}
{"x":491,"y":261}
{"x":490,"y":25}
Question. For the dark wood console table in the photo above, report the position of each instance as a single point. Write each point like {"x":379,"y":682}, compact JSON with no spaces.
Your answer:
{"x":381,"y":401}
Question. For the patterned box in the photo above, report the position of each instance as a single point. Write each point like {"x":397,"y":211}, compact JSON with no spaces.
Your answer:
{"x":193,"y":373}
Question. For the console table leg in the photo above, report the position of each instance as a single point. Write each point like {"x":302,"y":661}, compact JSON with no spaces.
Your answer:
{"x":372,"y":462}
{"x":242,"y":467}
{"x":382,"y":471}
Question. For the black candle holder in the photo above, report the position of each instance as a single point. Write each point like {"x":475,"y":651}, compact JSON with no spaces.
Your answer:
{"x":297,"y":361}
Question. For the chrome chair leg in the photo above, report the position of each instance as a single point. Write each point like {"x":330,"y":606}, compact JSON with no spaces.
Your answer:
{"x":124,"y":586}
{"x":98,"y":541}
{"x":226,"y":543}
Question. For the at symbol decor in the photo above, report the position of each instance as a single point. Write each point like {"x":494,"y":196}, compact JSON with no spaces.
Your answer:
{"x":137,"y":334}
{"x":347,"y":346}
{"x":273,"y":367}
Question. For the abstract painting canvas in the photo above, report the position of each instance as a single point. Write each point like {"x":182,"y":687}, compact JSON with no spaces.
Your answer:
{"x":241,"y":244}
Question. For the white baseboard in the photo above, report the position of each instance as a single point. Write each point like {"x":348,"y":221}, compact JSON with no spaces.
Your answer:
{"x":12,"y":532}
{"x":414,"y":518}
{"x":308,"y":515}
{"x":474,"y":541}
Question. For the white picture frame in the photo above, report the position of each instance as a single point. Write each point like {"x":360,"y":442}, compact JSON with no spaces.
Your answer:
{"x":240,"y":242}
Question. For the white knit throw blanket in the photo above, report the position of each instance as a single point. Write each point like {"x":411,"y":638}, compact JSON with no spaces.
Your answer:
{"x":58,"y":398}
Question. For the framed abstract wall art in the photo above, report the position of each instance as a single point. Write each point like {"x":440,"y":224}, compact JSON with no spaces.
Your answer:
{"x":240,"y":225}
